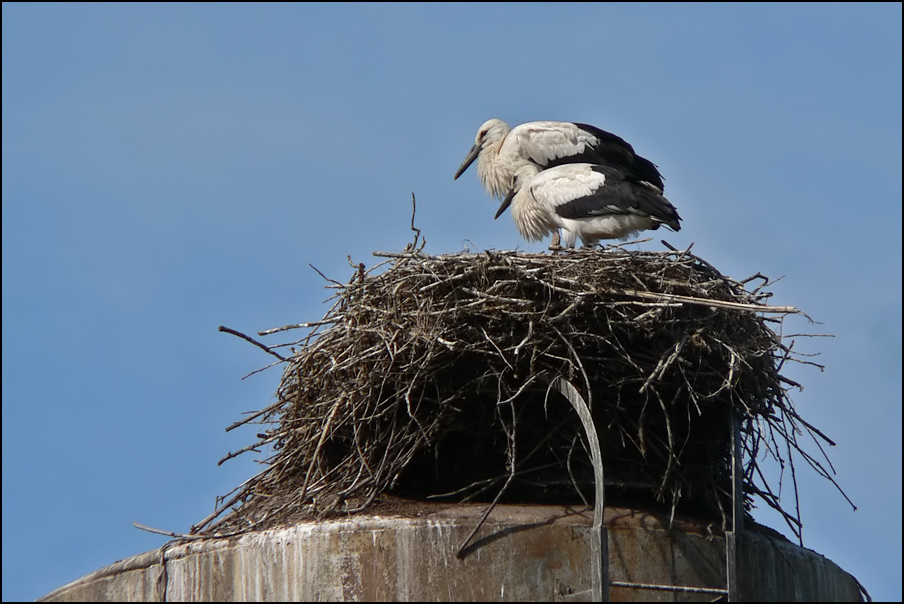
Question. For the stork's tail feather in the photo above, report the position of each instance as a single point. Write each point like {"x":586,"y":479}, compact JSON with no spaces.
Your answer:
{"x":674,"y":222}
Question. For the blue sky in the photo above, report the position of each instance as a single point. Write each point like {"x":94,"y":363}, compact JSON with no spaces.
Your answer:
{"x":171,"y":168}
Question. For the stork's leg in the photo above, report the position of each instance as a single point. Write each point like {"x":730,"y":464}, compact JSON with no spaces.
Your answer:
{"x":556,"y":243}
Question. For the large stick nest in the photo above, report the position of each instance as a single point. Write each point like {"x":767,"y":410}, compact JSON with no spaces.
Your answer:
{"x":430,"y":378}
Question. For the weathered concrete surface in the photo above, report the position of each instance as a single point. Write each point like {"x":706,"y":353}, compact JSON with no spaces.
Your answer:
{"x":521,"y":553}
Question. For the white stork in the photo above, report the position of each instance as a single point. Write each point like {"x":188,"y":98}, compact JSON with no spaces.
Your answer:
{"x":500,"y":151}
{"x":590,"y":201}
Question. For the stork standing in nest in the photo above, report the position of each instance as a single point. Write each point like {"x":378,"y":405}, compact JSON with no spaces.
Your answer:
{"x":590,"y":201}
{"x":501,"y":151}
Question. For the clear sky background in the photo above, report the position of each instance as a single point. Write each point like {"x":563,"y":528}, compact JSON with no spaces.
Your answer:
{"x":171,"y":168}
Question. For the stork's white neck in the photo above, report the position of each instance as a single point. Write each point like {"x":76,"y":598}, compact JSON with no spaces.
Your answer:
{"x":495,"y":168}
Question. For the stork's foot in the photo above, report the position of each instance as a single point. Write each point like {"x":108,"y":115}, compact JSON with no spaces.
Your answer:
{"x":556,"y":244}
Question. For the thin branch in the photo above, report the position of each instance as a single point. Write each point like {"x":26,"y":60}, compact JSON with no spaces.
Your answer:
{"x":253,"y":341}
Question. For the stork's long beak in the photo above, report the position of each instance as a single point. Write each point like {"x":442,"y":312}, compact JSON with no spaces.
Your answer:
{"x":505,"y":204}
{"x":472,"y":155}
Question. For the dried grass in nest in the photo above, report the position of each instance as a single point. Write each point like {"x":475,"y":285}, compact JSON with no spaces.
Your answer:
{"x":430,"y":379}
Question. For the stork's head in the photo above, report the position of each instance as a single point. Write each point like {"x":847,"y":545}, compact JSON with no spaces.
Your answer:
{"x":491,"y":133}
{"x":520,"y":180}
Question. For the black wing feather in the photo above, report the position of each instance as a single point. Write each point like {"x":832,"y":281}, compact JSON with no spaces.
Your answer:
{"x":616,"y":151}
{"x":619,"y":195}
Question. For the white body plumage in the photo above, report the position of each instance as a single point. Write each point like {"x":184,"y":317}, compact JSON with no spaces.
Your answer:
{"x":586,"y":201}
